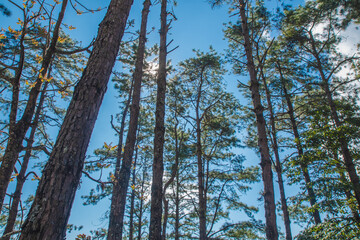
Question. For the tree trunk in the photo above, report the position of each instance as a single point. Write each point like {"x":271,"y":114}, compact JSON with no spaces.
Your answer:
{"x":200,"y":175}
{"x":132,"y":199}
{"x":303,"y":166}
{"x":174,"y":171}
{"x":278,"y":166}
{"x":141,"y":205}
{"x":344,"y":144}
{"x":22,"y":174}
{"x":50,"y":210}
{"x":158,"y":165}
{"x":17,"y":131}
{"x":267,"y":175}
{"x":122,"y":176}
{"x":177,"y":207}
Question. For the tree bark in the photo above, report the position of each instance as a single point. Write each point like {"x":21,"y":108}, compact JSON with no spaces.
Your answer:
{"x":303,"y":166}
{"x":158,"y":165}
{"x":122,"y":176}
{"x":50,"y":210}
{"x":267,"y":175}
{"x":278,"y":166}
{"x":17,"y":130}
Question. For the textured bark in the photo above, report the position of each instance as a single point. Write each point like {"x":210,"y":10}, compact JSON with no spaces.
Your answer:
{"x":17,"y":130}
{"x":278,"y":166}
{"x":50,"y":210}
{"x":122,"y":175}
{"x":20,"y":179}
{"x":303,"y":166}
{"x":158,"y":165}
{"x":267,"y":175}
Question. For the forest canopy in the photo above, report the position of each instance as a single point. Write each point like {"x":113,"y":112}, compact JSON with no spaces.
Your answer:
{"x":216,"y":119}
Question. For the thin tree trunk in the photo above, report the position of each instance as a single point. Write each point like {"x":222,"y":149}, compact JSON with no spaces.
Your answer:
{"x":122,"y":176}
{"x":304,"y":169}
{"x":141,"y":205}
{"x":278,"y":166}
{"x":177,"y":207}
{"x":344,"y":144}
{"x":200,"y":175}
{"x":174,"y":171}
{"x":50,"y":210}
{"x":22,"y":174}
{"x":267,"y":175}
{"x":18,"y":130}
{"x":158,"y":165}
{"x":132,"y":199}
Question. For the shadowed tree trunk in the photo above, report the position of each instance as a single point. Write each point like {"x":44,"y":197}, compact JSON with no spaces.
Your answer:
{"x":17,"y":130}
{"x":122,"y":176}
{"x":278,"y":166}
{"x":267,"y":175}
{"x":158,"y":165}
{"x":305,"y":172}
{"x":55,"y":194}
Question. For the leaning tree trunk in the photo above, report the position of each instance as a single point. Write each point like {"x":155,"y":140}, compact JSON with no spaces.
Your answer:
{"x":158,"y":165}
{"x":50,"y":210}
{"x":122,"y":176}
{"x":18,"y":130}
{"x":303,"y":166}
{"x":267,"y":175}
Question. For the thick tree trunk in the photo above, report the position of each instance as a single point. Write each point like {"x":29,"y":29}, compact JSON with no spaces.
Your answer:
{"x":50,"y":211}
{"x":267,"y":175}
{"x":158,"y":165}
{"x":278,"y":166}
{"x":303,"y":166}
{"x":22,"y":174}
{"x":122,"y":176}
{"x":17,"y":131}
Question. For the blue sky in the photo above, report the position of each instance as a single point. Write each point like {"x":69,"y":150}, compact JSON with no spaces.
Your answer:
{"x":198,"y":26}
